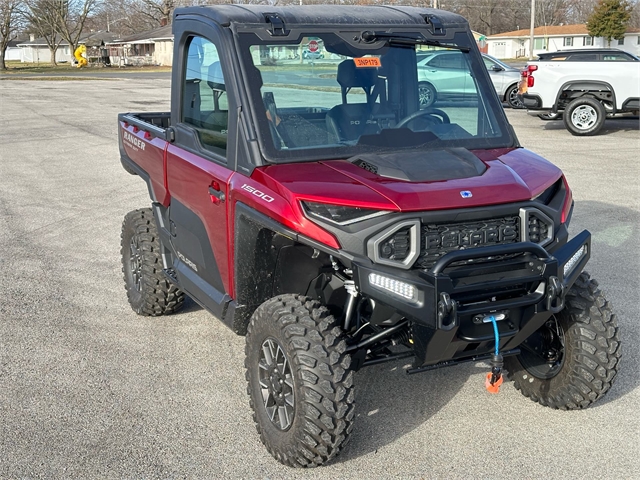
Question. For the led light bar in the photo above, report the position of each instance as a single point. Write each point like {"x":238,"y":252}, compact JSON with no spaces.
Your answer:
{"x":402,"y":289}
{"x":573,"y":261}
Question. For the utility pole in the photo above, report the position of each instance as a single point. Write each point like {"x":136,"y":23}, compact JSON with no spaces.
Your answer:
{"x":533,"y":23}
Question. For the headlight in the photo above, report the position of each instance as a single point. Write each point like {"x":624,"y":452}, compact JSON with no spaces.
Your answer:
{"x":536,"y":226}
{"x":339,"y":214}
{"x":398,"y":245}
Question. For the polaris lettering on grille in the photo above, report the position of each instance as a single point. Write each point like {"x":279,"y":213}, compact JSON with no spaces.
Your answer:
{"x":472,"y":238}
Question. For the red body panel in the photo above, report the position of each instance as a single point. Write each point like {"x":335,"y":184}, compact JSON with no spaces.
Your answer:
{"x":320,"y":182}
{"x":150,"y":158}
{"x":189,"y":179}
{"x":511,"y":176}
{"x":285,"y":208}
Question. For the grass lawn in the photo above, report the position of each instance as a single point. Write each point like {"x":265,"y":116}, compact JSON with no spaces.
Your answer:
{"x":16,"y":67}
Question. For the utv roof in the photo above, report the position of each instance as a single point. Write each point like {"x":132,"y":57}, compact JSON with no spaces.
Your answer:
{"x":323,"y":15}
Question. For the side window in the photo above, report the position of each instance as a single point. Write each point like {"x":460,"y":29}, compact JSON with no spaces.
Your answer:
{"x":584,"y":57}
{"x":488,"y":63}
{"x":204,"y":96}
{"x":447,"y":60}
{"x":615,"y":57}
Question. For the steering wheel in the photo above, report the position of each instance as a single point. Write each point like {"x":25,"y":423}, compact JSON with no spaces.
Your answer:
{"x":436,"y":112}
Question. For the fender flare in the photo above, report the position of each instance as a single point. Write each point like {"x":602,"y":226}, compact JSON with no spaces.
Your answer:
{"x":134,"y":169}
{"x":584,"y":85}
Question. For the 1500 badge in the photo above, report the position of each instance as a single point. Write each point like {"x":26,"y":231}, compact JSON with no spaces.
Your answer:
{"x":257,"y":193}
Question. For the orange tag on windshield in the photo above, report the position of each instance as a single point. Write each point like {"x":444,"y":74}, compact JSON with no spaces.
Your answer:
{"x":367,"y":62}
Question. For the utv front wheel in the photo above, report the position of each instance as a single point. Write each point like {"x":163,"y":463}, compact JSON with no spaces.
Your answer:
{"x":572,"y":360}
{"x":148,"y":290}
{"x":299,"y":383}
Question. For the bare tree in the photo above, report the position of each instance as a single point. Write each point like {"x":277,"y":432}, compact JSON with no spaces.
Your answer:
{"x":159,"y":12}
{"x":71,"y":16}
{"x":578,"y":11}
{"x":43,"y":21}
{"x":8,"y":26}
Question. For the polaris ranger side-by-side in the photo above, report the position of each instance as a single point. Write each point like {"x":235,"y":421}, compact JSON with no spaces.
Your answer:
{"x":314,"y":206}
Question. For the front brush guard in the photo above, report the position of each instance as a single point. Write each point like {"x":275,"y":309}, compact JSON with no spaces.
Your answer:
{"x":437,"y":315}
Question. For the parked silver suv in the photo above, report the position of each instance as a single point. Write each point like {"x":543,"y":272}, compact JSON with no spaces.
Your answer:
{"x":439,"y":73}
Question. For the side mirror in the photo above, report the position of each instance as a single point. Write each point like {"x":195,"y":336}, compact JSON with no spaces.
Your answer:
{"x":497,"y":68}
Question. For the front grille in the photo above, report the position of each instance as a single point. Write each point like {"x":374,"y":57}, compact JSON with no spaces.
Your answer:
{"x":436,"y":240}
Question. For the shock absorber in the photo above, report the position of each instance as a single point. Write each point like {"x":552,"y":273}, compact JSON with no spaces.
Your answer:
{"x":352,"y":296}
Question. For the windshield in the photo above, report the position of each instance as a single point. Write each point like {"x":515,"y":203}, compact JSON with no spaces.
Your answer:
{"x":324,"y":97}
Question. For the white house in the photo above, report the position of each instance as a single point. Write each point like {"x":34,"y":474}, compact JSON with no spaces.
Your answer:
{"x":36,"y":50}
{"x":154,"y":47}
{"x":556,"y":37}
{"x":13,"y":52}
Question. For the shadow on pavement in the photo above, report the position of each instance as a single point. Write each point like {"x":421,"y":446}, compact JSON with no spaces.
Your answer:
{"x":612,"y":125}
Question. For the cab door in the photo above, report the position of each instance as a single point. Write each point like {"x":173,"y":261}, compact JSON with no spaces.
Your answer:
{"x":198,"y":173}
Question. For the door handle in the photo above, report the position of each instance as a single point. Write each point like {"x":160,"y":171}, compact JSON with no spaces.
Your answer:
{"x":217,"y":194}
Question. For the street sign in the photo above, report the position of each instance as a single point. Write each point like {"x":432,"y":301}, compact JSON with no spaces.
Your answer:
{"x":313,"y":46}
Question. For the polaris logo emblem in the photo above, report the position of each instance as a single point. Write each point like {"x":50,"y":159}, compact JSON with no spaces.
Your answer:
{"x":466,"y":194}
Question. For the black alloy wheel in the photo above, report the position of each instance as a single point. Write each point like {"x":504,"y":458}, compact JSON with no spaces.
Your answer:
{"x":135,"y":263}
{"x":299,"y":380}
{"x":148,"y":290}
{"x":276,"y":383}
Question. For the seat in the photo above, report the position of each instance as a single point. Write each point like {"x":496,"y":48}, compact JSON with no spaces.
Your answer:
{"x":349,"y":121}
{"x":218,"y":120}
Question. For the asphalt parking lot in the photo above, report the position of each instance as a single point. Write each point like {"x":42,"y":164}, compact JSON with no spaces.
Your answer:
{"x":90,"y":390}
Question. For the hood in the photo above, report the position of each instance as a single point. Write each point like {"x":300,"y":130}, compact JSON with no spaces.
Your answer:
{"x":501,"y":176}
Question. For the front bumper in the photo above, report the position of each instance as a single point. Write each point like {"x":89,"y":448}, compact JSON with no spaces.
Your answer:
{"x":448,"y":303}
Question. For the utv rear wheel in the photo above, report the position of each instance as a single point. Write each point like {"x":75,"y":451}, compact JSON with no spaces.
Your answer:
{"x":572,"y":360}
{"x":148,"y":290}
{"x":584,"y":116}
{"x":299,"y":383}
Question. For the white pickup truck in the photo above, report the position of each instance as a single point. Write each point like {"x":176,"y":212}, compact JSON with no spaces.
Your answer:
{"x":582,"y":86}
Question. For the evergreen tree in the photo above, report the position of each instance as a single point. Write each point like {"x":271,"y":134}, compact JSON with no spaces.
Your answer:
{"x":609,"y":19}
